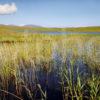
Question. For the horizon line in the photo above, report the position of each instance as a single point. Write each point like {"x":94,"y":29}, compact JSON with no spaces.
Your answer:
{"x":45,"y":26}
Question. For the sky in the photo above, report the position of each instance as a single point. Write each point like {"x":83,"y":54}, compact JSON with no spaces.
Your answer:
{"x":50,"y":13}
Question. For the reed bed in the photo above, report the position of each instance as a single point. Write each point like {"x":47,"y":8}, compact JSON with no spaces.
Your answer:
{"x":68,"y":64}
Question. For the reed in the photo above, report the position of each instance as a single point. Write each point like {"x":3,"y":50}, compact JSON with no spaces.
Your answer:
{"x":57,"y":54}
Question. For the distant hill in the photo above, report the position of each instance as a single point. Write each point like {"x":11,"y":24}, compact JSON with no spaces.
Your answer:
{"x":30,"y":25}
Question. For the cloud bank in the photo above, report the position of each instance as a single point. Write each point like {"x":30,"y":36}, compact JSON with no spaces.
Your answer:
{"x":7,"y":9}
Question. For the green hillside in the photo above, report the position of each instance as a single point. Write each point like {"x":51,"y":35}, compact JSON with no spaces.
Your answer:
{"x":17,"y":29}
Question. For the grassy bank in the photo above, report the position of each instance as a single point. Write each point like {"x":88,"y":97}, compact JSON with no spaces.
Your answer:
{"x":17,"y":29}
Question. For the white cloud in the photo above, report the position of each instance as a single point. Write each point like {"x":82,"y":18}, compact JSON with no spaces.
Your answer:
{"x":8,"y":9}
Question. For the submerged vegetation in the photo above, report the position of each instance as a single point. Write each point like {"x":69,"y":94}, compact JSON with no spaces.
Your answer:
{"x":49,"y":67}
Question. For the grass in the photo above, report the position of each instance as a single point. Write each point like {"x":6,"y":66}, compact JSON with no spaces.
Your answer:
{"x":20,"y":52}
{"x":16,"y":29}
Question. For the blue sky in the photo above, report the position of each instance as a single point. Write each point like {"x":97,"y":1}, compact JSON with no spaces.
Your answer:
{"x":53,"y":13}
